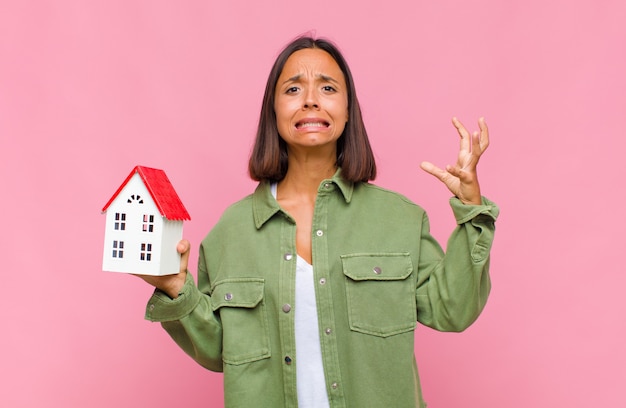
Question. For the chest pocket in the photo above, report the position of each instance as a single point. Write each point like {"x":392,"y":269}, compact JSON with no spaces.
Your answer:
{"x":380,"y":295}
{"x":244,"y":319}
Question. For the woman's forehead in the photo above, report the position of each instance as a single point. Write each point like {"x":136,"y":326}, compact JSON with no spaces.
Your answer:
{"x":311,"y":62}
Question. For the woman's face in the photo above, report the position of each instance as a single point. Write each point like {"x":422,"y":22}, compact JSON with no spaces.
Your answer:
{"x":311,"y":100}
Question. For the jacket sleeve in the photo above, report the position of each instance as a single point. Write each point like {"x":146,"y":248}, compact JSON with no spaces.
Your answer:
{"x":190,"y":320}
{"x":452,"y":288}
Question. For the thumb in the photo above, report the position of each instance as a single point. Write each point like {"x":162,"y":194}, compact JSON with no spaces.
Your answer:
{"x":430,"y":168}
{"x":183,"y":246}
{"x":183,"y":249}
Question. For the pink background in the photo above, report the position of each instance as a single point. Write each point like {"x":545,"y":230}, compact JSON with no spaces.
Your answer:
{"x":88,"y":89}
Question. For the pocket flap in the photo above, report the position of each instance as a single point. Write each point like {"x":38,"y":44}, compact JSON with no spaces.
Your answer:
{"x":237,"y":293}
{"x":377,"y":266}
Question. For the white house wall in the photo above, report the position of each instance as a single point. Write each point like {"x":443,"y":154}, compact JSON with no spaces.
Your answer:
{"x":135,"y":201}
{"x":172,"y":234}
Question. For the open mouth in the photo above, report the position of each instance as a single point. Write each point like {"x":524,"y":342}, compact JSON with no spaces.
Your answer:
{"x":309,"y":124}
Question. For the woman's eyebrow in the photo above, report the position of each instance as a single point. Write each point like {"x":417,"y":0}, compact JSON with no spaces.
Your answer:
{"x":328,"y":78}
{"x":294,"y":78}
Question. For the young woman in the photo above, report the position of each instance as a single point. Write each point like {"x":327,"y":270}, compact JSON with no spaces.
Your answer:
{"x":310,"y":288}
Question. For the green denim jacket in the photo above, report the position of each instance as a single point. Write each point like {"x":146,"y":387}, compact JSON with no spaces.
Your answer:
{"x":377,"y":271}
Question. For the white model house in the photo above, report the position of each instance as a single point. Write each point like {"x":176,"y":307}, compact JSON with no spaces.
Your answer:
{"x":144,"y":222}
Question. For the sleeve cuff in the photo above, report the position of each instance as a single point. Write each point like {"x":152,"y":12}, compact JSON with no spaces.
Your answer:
{"x":161,"y":308}
{"x":464,"y":212}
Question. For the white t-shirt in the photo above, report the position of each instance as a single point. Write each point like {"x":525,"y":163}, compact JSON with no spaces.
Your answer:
{"x":310,"y":380}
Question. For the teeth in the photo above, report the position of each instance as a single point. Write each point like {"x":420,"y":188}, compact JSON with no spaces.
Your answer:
{"x":312,"y":124}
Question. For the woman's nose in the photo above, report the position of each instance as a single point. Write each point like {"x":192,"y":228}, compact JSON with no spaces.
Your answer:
{"x":311,"y":100}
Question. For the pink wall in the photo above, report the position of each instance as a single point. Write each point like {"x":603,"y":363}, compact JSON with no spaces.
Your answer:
{"x":90,"y":89}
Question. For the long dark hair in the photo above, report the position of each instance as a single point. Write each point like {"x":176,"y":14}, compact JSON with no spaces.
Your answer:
{"x":268,"y":160}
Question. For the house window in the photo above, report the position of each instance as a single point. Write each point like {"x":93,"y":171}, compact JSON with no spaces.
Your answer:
{"x":146,"y":252}
{"x":120,"y":221}
{"x":135,"y":198}
{"x":148,"y":223}
{"x":118,"y":249}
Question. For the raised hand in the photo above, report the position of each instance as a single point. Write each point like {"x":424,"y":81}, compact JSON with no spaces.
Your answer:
{"x":462,"y":179}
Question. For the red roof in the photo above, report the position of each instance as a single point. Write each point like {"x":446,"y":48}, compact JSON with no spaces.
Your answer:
{"x":161,"y":191}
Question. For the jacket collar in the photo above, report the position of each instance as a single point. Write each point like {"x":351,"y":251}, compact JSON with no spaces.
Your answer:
{"x":264,"y":205}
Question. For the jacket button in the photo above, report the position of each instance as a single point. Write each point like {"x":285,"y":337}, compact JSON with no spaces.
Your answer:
{"x":288,"y":256}
{"x":322,"y":281}
{"x":377,"y":270}
{"x":334,"y":385}
{"x":228,"y":296}
{"x":288,"y":360}
{"x":319,"y":233}
{"x":328,"y":330}
{"x":286,"y":308}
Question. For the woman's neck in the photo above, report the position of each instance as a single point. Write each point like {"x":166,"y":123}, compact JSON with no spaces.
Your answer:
{"x":304,"y":176}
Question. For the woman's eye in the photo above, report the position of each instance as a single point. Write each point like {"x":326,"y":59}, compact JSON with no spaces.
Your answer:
{"x":328,"y":88}
{"x":292,"y":89}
